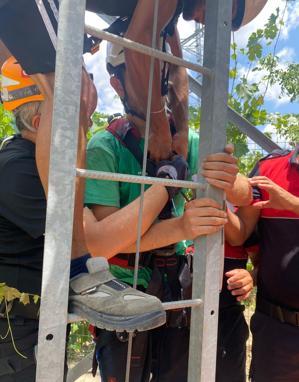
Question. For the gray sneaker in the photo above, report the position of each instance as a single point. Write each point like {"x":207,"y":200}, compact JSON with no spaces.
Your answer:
{"x":110,"y":304}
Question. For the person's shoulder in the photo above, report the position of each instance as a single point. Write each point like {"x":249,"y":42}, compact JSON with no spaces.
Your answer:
{"x":103,"y":139}
{"x":275,"y":157}
{"x":17,"y":151}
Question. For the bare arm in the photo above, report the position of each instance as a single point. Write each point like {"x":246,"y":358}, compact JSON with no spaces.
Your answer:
{"x":241,"y":192}
{"x":241,"y":225}
{"x":201,"y":217}
{"x":138,"y":67}
{"x":110,"y":230}
{"x":179,"y":98}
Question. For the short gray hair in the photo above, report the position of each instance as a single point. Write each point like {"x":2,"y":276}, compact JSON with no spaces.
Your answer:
{"x":24,"y":115}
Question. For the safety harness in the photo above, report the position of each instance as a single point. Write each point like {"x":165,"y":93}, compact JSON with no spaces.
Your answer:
{"x":163,"y":261}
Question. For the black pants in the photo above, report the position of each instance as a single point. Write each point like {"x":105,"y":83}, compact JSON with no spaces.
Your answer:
{"x":275,"y":350}
{"x":14,"y":368}
{"x":162,"y":352}
{"x":231,"y":348}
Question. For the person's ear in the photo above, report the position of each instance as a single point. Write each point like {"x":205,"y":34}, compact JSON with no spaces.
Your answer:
{"x":117,"y":86}
{"x":36,"y":121}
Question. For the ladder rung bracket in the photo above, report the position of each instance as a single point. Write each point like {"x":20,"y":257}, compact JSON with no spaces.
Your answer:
{"x":129,"y":44}
{"x":102,"y":175}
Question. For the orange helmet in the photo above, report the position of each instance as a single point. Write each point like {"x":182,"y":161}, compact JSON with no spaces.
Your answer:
{"x":17,"y":88}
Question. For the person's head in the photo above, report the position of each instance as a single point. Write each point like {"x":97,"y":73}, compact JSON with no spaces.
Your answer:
{"x":243,"y":11}
{"x":116,"y":67}
{"x":20,"y":95}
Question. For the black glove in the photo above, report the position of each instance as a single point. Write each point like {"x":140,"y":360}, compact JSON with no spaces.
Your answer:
{"x":176,"y":169}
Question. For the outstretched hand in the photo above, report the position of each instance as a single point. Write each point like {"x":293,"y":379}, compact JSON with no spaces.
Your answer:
{"x":279,"y":198}
{"x":240,"y":283}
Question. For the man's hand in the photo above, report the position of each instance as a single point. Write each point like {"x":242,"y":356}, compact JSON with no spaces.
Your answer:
{"x":202,"y":217}
{"x":279,"y":198}
{"x":240,"y":283}
{"x":220,"y":169}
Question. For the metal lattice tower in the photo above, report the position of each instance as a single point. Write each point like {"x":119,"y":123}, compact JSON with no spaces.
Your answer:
{"x":193,"y":49}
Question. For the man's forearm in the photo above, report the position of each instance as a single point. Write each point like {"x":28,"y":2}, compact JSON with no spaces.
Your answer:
{"x":234,"y":230}
{"x":294,"y":204}
{"x":161,"y":234}
{"x":179,"y":98}
{"x":117,"y":231}
{"x":241,"y":193}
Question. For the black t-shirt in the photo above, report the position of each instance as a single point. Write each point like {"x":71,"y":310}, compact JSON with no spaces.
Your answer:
{"x":22,"y":217}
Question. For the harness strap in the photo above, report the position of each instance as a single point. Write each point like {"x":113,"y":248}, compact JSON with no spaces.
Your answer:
{"x":130,"y":138}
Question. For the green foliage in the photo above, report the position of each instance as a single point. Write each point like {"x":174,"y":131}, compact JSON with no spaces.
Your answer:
{"x":194,"y":117}
{"x":100,"y":122}
{"x":7,"y":296}
{"x":247,"y":97}
{"x":6,"y":123}
{"x":80,"y":341}
{"x":287,"y":126}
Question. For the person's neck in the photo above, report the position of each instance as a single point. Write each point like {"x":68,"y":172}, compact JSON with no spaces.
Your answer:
{"x":138,"y":123}
{"x":29,"y":135}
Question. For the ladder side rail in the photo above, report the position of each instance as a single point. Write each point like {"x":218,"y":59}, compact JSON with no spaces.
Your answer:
{"x":61,"y":195}
{"x":209,"y":250}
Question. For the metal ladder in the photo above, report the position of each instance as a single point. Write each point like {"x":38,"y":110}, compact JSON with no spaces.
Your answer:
{"x":208,"y":265}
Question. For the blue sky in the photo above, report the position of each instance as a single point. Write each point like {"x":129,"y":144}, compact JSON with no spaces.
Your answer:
{"x":287,"y":49}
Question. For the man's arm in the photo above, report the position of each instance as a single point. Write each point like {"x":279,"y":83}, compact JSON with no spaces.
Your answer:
{"x":241,"y":192}
{"x":241,"y":225}
{"x":110,"y":230}
{"x":179,"y":98}
{"x":138,"y":68}
{"x":201,"y":217}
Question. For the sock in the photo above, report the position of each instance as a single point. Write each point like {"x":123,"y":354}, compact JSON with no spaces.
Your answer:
{"x":79,"y":265}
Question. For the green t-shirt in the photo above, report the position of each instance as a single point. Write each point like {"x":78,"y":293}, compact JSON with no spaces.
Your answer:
{"x":106,"y":153}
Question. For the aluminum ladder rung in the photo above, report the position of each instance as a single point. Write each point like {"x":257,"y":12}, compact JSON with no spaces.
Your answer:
{"x":129,"y":44}
{"x":102,"y":175}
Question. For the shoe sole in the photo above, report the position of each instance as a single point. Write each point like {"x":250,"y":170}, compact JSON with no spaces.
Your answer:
{"x":140,"y":323}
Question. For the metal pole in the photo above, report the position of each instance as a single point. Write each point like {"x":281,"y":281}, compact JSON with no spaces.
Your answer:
{"x":144,"y":162}
{"x":209,"y":250}
{"x":59,"y":225}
